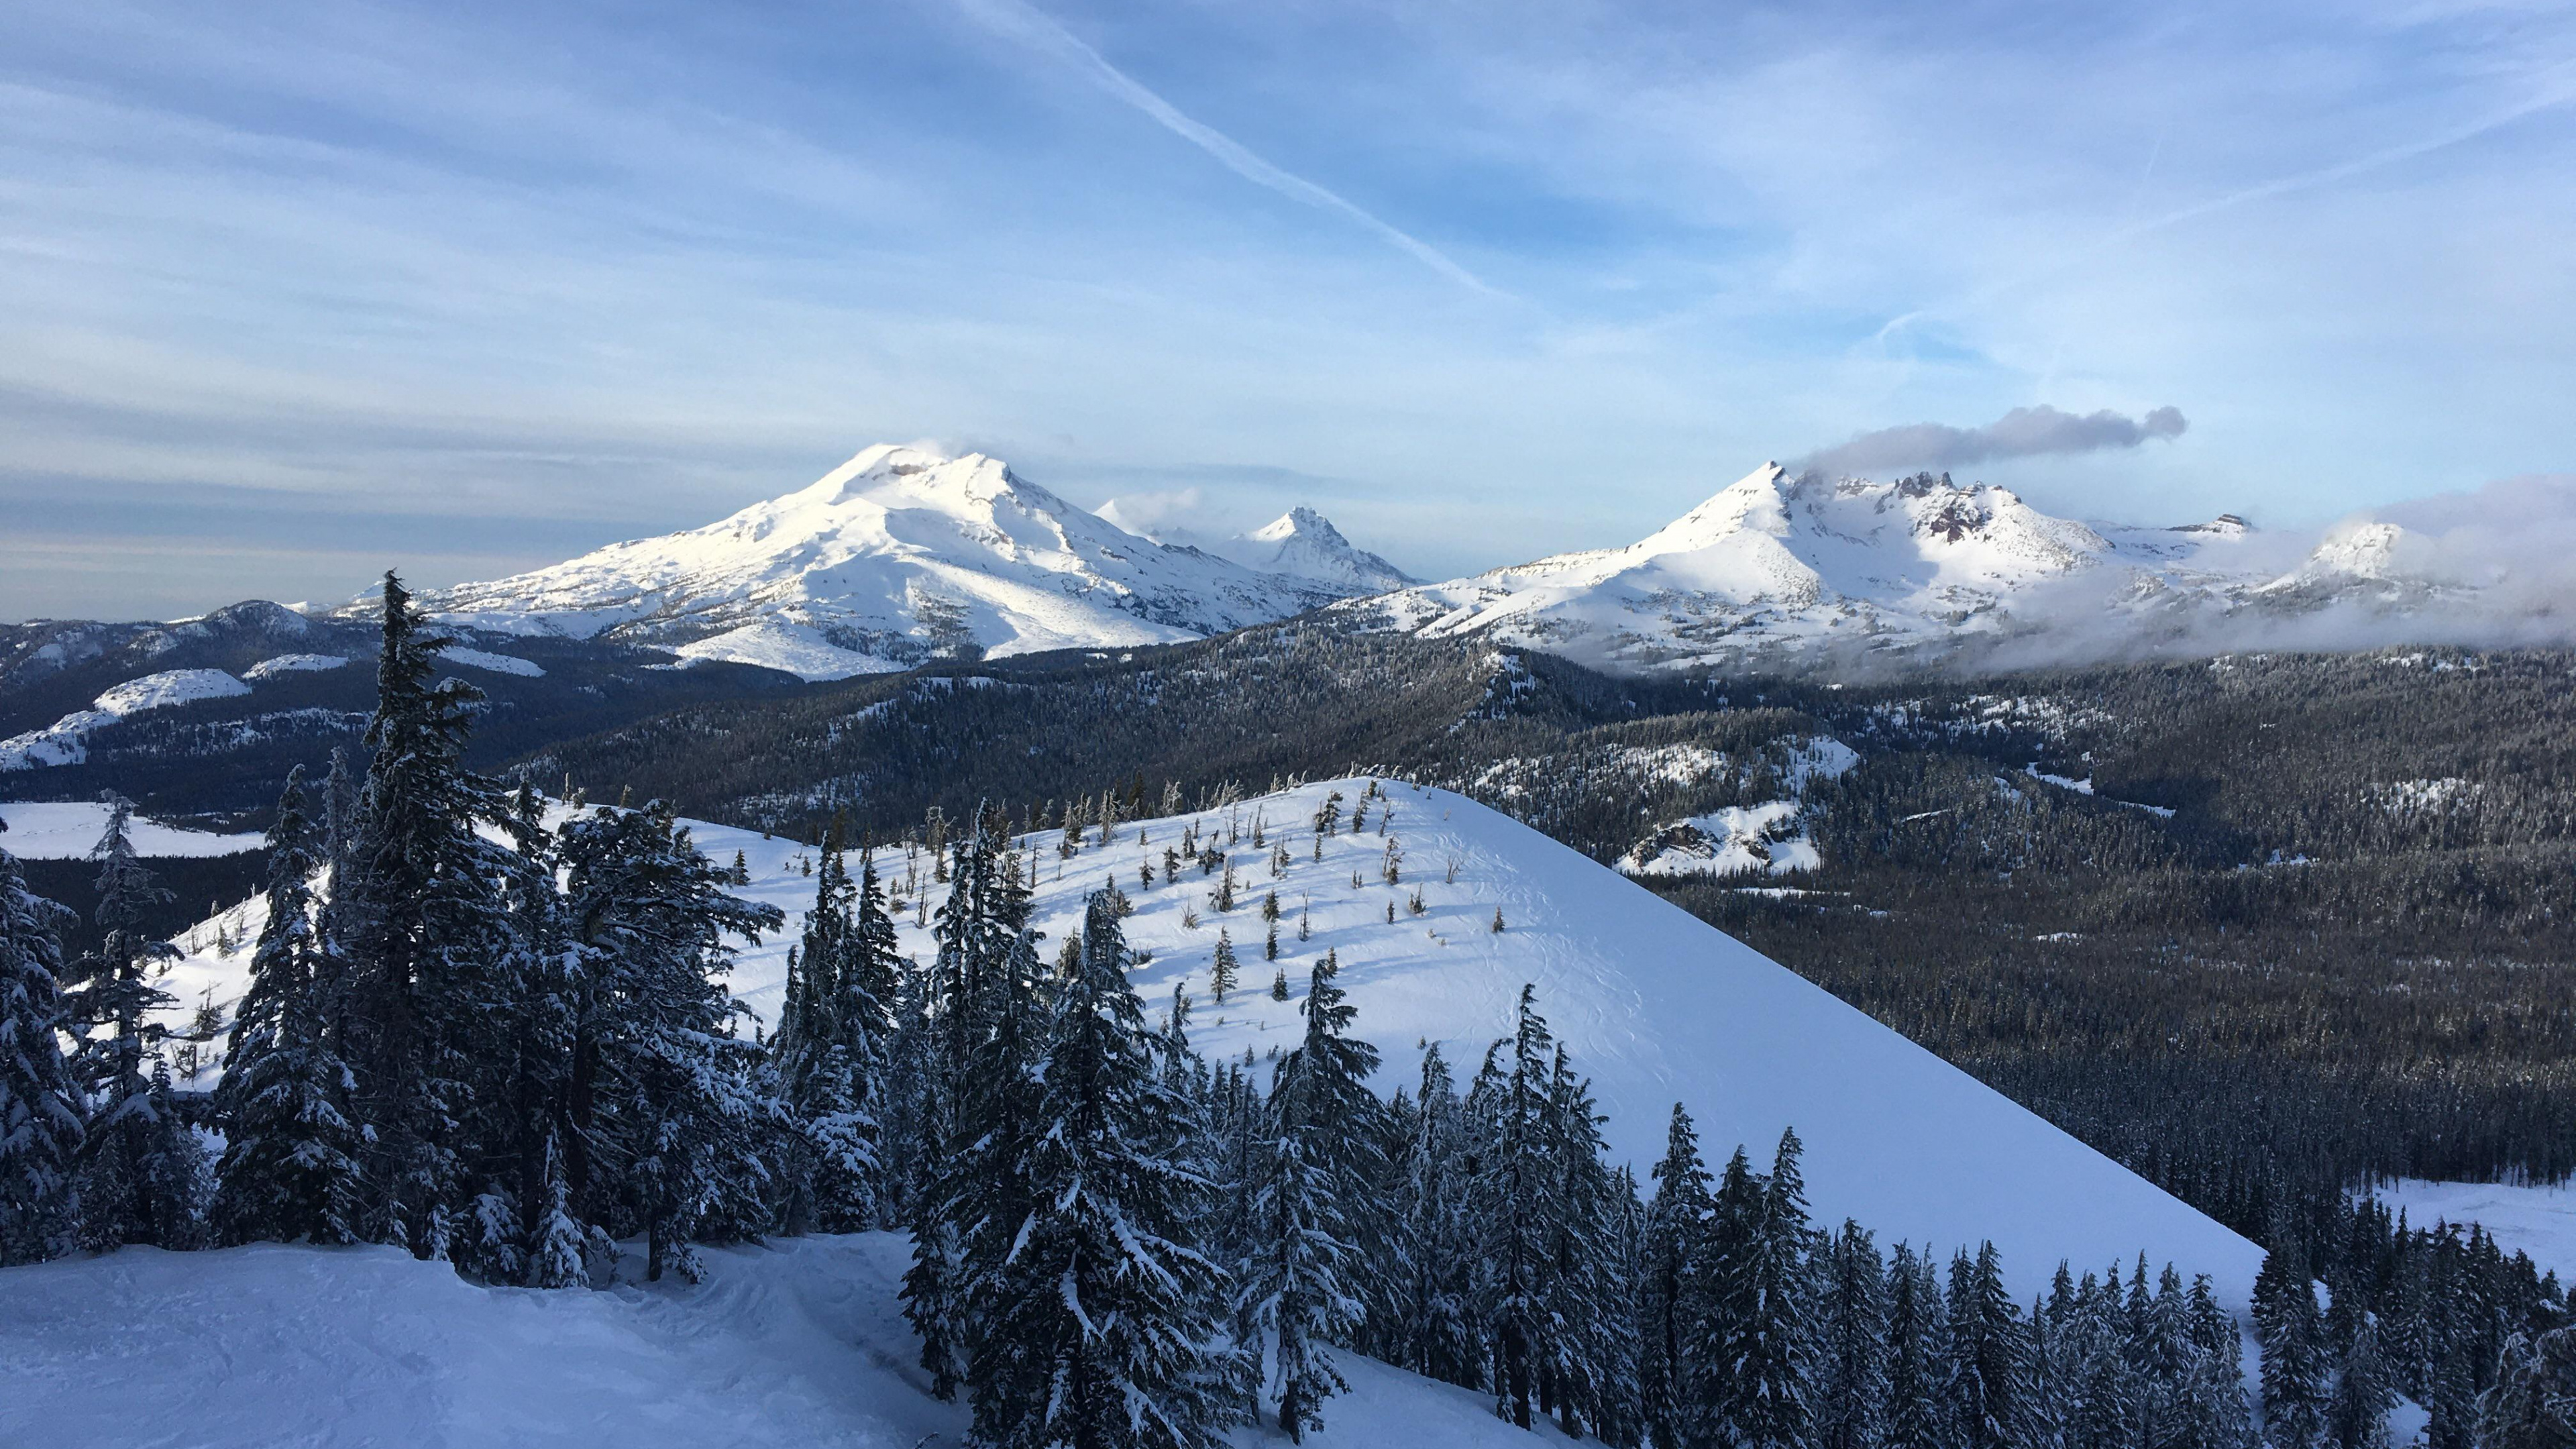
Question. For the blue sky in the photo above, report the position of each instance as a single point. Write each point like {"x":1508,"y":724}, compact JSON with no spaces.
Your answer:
{"x":289,"y":293}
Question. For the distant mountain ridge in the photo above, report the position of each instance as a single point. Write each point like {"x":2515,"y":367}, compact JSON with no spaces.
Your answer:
{"x":901,"y":556}
{"x":1785,"y":570}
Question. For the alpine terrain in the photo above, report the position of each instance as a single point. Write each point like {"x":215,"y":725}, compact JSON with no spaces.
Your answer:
{"x":901,"y":555}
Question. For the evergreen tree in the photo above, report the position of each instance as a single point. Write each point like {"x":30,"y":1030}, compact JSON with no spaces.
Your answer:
{"x":40,"y":1104}
{"x":1677,"y":1225}
{"x":669,"y":1088}
{"x":2294,"y":1370}
{"x":1850,"y":1386}
{"x":1517,"y":1209}
{"x":2357,"y":1416}
{"x":420,"y":917}
{"x":1915,"y":1333}
{"x":290,"y":1166}
{"x":831,"y":1047}
{"x":1771,"y":1343}
{"x":1297,"y":1288}
{"x":1221,"y":972}
{"x":2532,"y":1404}
{"x":1439,"y":1248}
{"x":1989,"y":1386}
{"x":1105,"y":1332}
{"x":988,"y":1042}
{"x":144,"y":1174}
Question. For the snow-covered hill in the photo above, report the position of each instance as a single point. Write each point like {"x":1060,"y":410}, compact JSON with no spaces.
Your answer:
{"x":802,"y":1342}
{"x":1779,"y":568}
{"x":902,"y":555}
{"x":1655,"y":1005}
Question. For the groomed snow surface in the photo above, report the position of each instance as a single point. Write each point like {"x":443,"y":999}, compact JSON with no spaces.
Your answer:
{"x":1655,"y":1005}
{"x":800,"y":1343}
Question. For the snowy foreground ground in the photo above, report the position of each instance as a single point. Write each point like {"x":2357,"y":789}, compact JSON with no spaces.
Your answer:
{"x":1655,"y":1005}
{"x":801,"y":1343}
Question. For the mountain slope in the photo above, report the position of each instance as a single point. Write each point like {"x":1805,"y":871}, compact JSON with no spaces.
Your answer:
{"x":895,"y":557}
{"x":1776,"y":569}
{"x":1655,"y":1006}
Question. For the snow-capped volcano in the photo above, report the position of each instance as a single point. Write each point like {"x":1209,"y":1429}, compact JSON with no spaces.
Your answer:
{"x":897,"y":556}
{"x":1303,"y":544}
{"x":1775,"y":565}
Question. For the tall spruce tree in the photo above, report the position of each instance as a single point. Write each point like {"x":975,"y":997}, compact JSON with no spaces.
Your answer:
{"x":2294,"y":1368}
{"x":1675,"y":1254}
{"x":1439,"y":1247}
{"x":1770,"y":1358}
{"x":40,"y":1103}
{"x":1989,"y":1389}
{"x":143,"y":1177}
{"x":421,"y":919}
{"x":1105,"y":1329}
{"x":1516,"y":1208}
{"x":1849,"y":1390}
{"x":832,"y":1044}
{"x":988,"y":1027}
{"x":1297,"y":1284}
{"x":1916,"y":1330}
{"x":289,"y":1171}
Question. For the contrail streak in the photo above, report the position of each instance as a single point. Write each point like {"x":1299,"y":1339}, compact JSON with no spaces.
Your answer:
{"x":1024,"y":23}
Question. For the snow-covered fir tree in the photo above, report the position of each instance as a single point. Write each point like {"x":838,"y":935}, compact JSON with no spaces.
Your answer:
{"x":40,"y":1104}
{"x":1105,"y":1327}
{"x":1989,"y":1390}
{"x":290,"y":1170}
{"x":672,"y":1092}
{"x":1298,"y":1280}
{"x":143,"y":1172}
{"x":1916,"y":1334}
{"x":2294,"y":1367}
{"x":1849,"y":1388}
{"x":833,"y":1038}
{"x":421,"y":921}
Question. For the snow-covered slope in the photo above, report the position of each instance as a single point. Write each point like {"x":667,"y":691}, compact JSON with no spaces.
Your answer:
{"x":799,"y":1343}
{"x":64,"y":741}
{"x":1656,"y":1006}
{"x":897,"y":556}
{"x":1777,"y":567}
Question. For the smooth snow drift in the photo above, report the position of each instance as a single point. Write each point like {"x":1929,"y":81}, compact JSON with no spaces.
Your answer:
{"x":1655,"y":1005}
{"x":799,"y":1343}
{"x":898,"y":556}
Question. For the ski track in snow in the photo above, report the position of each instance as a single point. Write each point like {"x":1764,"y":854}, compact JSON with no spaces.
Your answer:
{"x":1655,"y":1005}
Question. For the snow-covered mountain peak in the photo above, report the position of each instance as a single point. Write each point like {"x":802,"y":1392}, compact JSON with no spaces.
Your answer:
{"x":1304,"y":544}
{"x":1778,"y":562}
{"x":899,"y":555}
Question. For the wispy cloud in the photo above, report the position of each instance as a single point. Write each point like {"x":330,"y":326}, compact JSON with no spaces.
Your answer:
{"x":2030,"y":432}
{"x":1029,"y":26}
